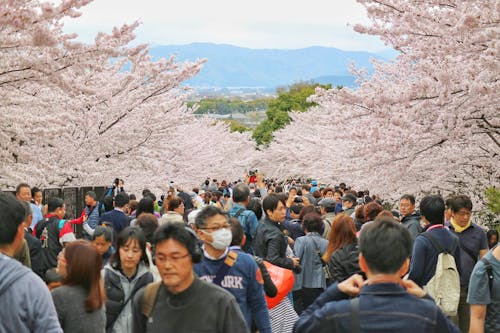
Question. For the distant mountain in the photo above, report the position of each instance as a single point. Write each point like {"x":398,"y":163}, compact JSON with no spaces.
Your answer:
{"x":232,"y":66}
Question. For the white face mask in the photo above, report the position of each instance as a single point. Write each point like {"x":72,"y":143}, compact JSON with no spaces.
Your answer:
{"x":221,"y":238}
{"x":344,"y":207}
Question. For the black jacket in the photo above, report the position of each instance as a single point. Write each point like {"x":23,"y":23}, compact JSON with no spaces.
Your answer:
{"x":47,"y":231}
{"x":412,"y":223}
{"x":270,"y":244}
{"x":344,"y":262}
{"x":35,"y":247}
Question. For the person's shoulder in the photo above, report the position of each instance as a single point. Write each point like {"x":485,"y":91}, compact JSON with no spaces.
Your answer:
{"x":66,"y":292}
{"x":245,"y":259}
{"x":477,"y":229}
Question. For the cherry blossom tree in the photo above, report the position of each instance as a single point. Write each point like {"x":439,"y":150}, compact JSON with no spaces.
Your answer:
{"x":77,"y":114}
{"x":428,"y":121}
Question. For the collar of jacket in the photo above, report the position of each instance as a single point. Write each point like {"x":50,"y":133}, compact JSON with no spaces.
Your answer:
{"x":275,"y":224}
{"x":383,"y":288}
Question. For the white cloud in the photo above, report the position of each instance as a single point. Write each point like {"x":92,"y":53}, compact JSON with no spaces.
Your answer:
{"x":254,"y":24}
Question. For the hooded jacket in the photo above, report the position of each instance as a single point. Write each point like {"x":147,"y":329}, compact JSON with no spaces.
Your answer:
{"x":118,"y":289}
{"x":25,"y":301}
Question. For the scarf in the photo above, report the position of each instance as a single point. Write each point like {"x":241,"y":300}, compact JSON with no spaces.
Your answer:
{"x":459,"y":229}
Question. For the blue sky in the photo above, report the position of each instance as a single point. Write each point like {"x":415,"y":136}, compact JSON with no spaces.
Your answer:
{"x":255,"y":24}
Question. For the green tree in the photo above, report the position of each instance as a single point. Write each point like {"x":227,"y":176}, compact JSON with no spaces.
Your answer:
{"x":293,"y":98}
{"x":493,"y":198}
{"x":236,"y":126}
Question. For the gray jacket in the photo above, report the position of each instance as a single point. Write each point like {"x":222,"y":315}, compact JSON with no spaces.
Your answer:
{"x":306,"y":248}
{"x":25,"y":302}
{"x":123,"y":323}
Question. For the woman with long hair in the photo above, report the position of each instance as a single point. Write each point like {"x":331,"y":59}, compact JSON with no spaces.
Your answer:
{"x":342,"y":250}
{"x":126,"y":273}
{"x":80,"y":300}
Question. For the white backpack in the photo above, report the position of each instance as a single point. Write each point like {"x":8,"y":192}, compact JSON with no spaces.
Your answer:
{"x":444,"y":286}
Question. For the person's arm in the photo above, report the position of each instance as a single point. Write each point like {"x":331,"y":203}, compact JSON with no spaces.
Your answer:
{"x":483,"y":246}
{"x":336,"y":267}
{"x":313,"y":318}
{"x":269,"y":286}
{"x":88,"y":229}
{"x":41,"y":310}
{"x":414,"y":228}
{"x":273,"y":254}
{"x":418,"y":260}
{"x":59,"y":305}
{"x":232,"y":319}
{"x":299,"y":246}
{"x":477,"y":317}
{"x":257,"y":302}
{"x":253,"y":223}
{"x":138,"y":319}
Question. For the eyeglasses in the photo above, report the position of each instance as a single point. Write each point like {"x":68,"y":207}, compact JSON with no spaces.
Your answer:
{"x":224,"y":226}
{"x":174,"y":259}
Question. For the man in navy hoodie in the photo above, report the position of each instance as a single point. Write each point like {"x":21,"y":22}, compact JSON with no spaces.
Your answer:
{"x":236,"y":272}
{"x":425,"y":256}
{"x":117,"y":218}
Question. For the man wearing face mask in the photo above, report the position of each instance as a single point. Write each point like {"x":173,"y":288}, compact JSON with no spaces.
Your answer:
{"x":236,"y":272}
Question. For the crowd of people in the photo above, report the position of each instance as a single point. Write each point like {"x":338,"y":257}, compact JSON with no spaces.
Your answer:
{"x":246,"y":256}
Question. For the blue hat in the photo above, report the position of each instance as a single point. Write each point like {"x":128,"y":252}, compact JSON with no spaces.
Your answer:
{"x":314,"y":182}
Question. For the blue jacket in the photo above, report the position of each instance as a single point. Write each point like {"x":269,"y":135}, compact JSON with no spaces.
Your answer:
{"x":241,"y":280}
{"x":383,"y":307}
{"x":249,"y":223}
{"x":306,"y":248}
{"x":118,"y":220}
{"x":424,"y":257}
{"x":25,"y":302}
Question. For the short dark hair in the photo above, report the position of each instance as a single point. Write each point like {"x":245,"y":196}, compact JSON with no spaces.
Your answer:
{"x":255,"y":206}
{"x":432,"y":207}
{"x":240,"y":193}
{"x":106,"y":232}
{"x":11,"y":216}
{"x":150,"y":195}
{"x":271,"y":202}
{"x":409,"y":197}
{"x":385,"y":245}
{"x":134,"y":233}
{"x":296,"y":208}
{"x":237,"y":231}
{"x":460,"y":201}
{"x":313,"y":222}
{"x":174,"y":203}
{"x":207,"y":212}
{"x":146,"y":205}
{"x":177,"y":232}
{"x":91,"y":194}
{"x":35,"y":190}
{"x":54,"y":203}
{"x":121,"y":199}
{"x":148,"y":223}
{"x":20,"y":186}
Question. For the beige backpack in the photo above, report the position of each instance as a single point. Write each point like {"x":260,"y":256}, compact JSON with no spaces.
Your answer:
{"x":444,"y":286}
